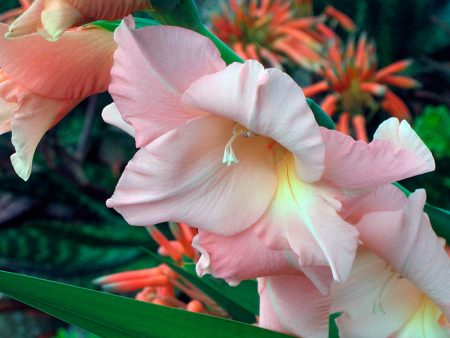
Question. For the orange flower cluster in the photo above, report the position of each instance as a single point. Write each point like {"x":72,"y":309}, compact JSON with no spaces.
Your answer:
{"x":161,"y":285}
{"x":274,"y":31}
{"x":354,"y":85}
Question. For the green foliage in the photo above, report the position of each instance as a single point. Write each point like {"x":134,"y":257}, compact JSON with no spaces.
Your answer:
{"x":117,"y":317}
{"x":433,"y":127}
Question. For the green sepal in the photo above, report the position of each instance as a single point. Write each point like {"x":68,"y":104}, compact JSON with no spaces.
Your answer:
{"x":117,"y":317}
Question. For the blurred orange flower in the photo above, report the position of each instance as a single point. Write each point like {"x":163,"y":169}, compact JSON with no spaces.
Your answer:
{"x":354,"y":86}
{"x":273,"y":31}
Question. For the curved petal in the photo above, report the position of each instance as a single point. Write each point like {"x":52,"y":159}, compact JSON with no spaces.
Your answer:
{"x":52,"y":17}
{"x":111,"y":115}
{"x":28,"y":22}
{"x":32,"y":117}
{"x":76,"y":66}
{"x":292,"y":304}
{"x":385,"y":198}
{"x":149,"y":75}
{"x":304,"y":218}
{"x":239,"y":257}
{"x":359,"y":166}
{"x":406,"y":240}
{"x":180,"y":177}
{"x":375,"y":300}
{"x":267,"y":102}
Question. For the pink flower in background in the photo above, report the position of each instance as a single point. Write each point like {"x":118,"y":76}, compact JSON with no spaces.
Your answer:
{"x":52,"y":17}
{"x":40,"y":82}
{"x":232,"y":149}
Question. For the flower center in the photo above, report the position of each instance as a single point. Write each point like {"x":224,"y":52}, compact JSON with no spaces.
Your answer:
{"x":228,"y":154}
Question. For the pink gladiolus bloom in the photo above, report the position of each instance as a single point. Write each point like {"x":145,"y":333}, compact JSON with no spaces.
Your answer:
{"x":398,"y":289}
{"x":403,"y":291}
{"x":237,"y":148}
{"x":40,"y":82}
{"x":51,"y":18}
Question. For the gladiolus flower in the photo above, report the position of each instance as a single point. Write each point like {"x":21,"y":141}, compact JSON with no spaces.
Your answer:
{"x":271,"y":30}
{"x":354,"y":87}
{"x":51,"y":18}
{"x":398,"y":286}
{"x":41,"y":82}
{"x":239,"y":148}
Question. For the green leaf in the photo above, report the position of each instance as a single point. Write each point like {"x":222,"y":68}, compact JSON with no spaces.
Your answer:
{"x":112,"y":25}
{"x":321,"y":117}
{"x":240,"y":309}
{"x":333,"y":329}
{"x":117,"y":317}
{"x":245,"y":294}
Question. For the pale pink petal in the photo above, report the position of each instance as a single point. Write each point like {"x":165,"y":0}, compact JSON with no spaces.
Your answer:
{"x":406,"y":240}
{"x":375,"y":300}
{"x":267,"y":102}
{"x":76,"y":66}
{"x":112,"y":116}
{"x":293,"y":305}
{"x":385,"y":198}
{"x":240,"y":257}
{"x":32,"y":117}
{"x":424,"y":323}
{"x":359,"y":166}
{"x":52,"y":17}
{"x":149,"y":75}
{"x":180,"y":177}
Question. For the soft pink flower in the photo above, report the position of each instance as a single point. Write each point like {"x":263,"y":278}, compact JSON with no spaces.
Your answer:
{"x":237,"y":148}
{"x":51,"y":18}
{"x":399,"y":289}
{"x":40,"y":82}
{"x":407,"y":286}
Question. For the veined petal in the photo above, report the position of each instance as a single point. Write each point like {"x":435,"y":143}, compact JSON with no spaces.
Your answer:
{"x":6,"y":110}
{"x":149,"y":76}
{"x":267,"y":102}
{"x":303,"y":217}
{"x":292,"y":304}
{"x":180,"y":177}
{"x":52,"y":17}
{"x":406,"y":240}
{"x":396,"y":153}
{"x":240,"y":257}
{"x":112,"y":116}
{"x":76,"y":66}
{"x":375,"y":300}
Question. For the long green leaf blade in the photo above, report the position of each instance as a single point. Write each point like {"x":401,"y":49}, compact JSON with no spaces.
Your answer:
{"x":118,"y":317}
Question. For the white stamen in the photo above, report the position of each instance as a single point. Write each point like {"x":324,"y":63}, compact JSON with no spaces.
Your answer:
{"x":228,"y":154}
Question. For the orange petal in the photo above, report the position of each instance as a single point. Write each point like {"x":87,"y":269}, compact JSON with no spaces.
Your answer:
{"x":359,"y":124}
{"x":343,"y":123}
{"x":395,"y":67}
{"x":316,"y":88}
{"x":401,"y":81}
